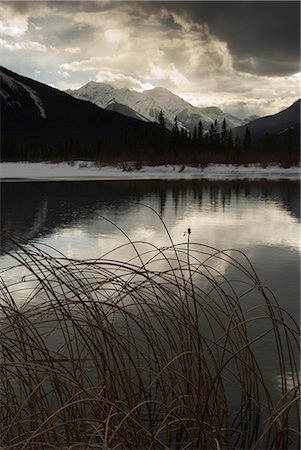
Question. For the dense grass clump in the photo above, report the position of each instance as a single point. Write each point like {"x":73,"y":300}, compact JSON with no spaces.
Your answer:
{"x":159,"y":352}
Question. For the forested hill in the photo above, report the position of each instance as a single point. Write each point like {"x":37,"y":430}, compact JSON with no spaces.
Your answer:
{"x":37,"y":118}
{"x":274,"y":126}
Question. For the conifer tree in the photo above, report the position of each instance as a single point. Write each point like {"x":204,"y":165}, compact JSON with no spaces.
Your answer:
{"x":216,"y":138}
{"x":200,"y":131}
{"x":161,"y":120}
{"x":175,"y":129}
{"x":175,"y":136}
{"x":195,"y":134}
{"x":213,"y":136}
{"x":161,"y":147}
{"x":224,"y":135}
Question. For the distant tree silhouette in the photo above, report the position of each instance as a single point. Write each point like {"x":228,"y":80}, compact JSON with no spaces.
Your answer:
{"x":217,"y":138}
{"x":175,"y":129}
{"x":224,"y":135}
{"x":211,"y":133}
{"x":175,"y":141}
{"x":214,"y":136}
{"x":200,"y":131}
{"x":184,"y":135}
{"x":195,"y":134}
{"x":157,"y":143}
{"x":161,"y":120}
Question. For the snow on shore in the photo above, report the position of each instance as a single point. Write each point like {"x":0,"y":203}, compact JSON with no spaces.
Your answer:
{"x":85,"y":170}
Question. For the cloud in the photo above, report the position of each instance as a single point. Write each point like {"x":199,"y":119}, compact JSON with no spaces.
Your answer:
{"x":169,"y":73}
{"x":261,"y":40}
{"x":12,"y":25}
{"x":63,"y":74}
{"x":119,"y":80}
{"x":257,"y":34}
{"x":15,"y":16}
{"x":25,"y":45}
{"x":150,"y":73}
{"x":259,"y":65}
{"x":86,"y":65}
{"x":73,"y":50}
{"x":261,"y":96}
{"x":114,"y":35}
{"x":147,"y":50}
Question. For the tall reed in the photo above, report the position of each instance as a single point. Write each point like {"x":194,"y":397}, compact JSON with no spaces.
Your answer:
{"x":158,"y":352}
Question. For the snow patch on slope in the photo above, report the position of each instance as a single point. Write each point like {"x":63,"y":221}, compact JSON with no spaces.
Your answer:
{"x":37,"y":101}
{"x":16,"y":86}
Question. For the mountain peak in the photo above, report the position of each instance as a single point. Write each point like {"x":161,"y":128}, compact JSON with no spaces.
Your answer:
{"x":149,"y":103}
{"x":212,"y":110}
{"x":160,"y":90}
{"x":96,"y":85}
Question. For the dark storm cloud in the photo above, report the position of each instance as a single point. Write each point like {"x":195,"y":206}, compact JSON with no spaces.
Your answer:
{"x":59,"y":30}
{"x":263,"y":37}
{"x":68,"y":6}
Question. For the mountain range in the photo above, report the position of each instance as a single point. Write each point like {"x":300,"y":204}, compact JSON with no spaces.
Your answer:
{"x":148,"y":104}
{"x":35,"y":113}
{"x":32,"y":112}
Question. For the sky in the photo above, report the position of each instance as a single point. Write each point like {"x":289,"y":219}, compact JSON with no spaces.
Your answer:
{"x":242,"y":56}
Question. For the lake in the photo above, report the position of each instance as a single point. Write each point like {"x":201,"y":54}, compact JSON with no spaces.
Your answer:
{"x":261,"y":218}
{"x":85,"y":220}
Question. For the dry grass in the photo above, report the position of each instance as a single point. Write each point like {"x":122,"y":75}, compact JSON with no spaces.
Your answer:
{"x":159,"y":352}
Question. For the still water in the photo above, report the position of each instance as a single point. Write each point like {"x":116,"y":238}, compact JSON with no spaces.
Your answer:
{"x":261,"y":218}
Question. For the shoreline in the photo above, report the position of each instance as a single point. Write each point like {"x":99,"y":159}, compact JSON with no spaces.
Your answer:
{"x":88,"y":170}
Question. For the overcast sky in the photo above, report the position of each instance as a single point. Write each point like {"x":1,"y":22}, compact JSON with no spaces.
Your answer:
{"x":241,"y":56}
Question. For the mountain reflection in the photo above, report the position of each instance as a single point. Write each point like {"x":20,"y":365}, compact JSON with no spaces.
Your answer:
{"x":34,"y":210}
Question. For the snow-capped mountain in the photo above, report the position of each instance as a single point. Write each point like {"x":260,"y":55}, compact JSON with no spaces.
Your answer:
{"x":149,"y":103}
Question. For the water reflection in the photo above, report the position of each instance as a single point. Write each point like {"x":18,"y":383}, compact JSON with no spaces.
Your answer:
{"x":260,"y":218}
{"x":34,"y":210}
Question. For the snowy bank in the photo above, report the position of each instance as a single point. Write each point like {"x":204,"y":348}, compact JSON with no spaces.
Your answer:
{"x":84,"y":170}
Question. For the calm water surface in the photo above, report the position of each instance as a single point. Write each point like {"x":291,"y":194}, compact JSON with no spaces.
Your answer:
{"x":261,"y":218}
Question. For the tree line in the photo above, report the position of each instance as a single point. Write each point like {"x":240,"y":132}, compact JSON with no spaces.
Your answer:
{"x":218,"y":144}
{"x":159,"y":145}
